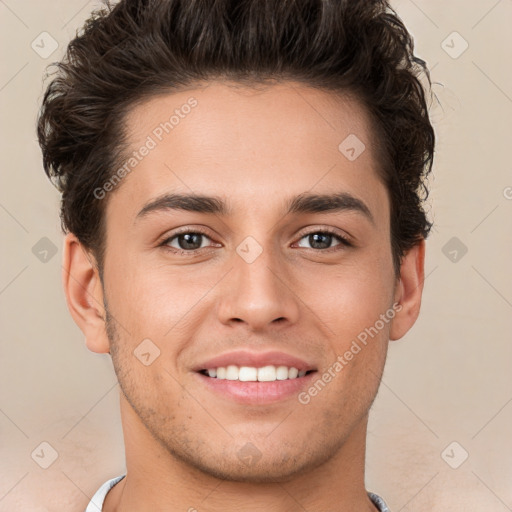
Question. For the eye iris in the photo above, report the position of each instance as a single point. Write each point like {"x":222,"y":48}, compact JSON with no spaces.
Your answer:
{"x":315,"y":237}
{"x":190,"y":240}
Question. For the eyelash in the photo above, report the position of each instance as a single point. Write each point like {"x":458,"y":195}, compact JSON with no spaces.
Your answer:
{"x":344,"y":242}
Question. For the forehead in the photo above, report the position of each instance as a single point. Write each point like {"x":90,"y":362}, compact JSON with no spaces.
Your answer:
{"x":244,"y":143}
{"x":284,"y":112}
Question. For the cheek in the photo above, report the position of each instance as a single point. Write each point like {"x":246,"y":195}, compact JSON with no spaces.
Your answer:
{"x":359,"y":341}
{"x":350,"y":298}
{"x":151,"y":300}
{"x":165,"y":305}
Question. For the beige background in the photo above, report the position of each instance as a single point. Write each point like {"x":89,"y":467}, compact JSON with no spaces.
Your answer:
{"x":448,"y":380}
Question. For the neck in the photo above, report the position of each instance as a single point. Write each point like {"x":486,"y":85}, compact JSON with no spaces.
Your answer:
{"x":155,"y":479}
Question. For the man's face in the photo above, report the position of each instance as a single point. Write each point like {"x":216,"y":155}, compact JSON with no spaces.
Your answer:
{"x":256,"y":279}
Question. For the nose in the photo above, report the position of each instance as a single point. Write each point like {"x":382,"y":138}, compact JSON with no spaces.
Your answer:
{"x":258,"y":294}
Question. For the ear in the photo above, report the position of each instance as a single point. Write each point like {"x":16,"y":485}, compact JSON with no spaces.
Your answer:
{"x":84,"y":293}
{"x":409,"y":290}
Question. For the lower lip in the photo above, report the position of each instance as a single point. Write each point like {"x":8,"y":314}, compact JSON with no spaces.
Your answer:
{"x":257,"y":392}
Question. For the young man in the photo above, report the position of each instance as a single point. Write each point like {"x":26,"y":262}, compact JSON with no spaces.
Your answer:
{"x":245,"y":233}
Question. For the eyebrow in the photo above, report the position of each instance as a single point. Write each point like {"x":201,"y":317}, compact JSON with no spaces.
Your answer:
{"x":303,"y":203}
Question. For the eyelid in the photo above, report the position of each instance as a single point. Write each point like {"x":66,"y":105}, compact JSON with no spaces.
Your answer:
{"x":188,"y":229}
{"x":309,"y":230}
{"x":345,"y":240}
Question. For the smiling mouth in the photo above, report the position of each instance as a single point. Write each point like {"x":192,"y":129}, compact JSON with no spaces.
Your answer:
{"x":269,"y":373}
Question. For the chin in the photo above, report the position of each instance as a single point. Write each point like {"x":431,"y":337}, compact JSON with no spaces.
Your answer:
{"x":261,"y":474}
{"x":270,"y":467}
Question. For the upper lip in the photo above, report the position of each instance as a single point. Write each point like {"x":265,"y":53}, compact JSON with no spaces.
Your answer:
{"x":255,"y":359}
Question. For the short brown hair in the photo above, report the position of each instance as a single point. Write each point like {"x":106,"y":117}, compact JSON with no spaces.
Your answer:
{"x":138,"y":48}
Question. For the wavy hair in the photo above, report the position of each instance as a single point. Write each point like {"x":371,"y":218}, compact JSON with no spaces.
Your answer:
{"x":135,"y":49}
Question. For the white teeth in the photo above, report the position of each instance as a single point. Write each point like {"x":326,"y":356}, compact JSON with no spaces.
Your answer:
{"x":248,"y":374}
{"x":232,"y":372}
{"x":267,"y":373}
{"x":282,"y":373}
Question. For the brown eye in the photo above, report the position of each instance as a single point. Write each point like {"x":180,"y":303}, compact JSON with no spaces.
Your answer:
{"x":321,"y":240}
{"x":187,"y":241}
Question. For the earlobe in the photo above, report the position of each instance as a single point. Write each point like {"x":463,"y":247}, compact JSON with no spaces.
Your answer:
{"x":84,"y":293}
{"x":409,"y":290}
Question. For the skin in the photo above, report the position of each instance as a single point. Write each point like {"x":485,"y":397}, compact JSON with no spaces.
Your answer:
{"x":254,"y":149}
